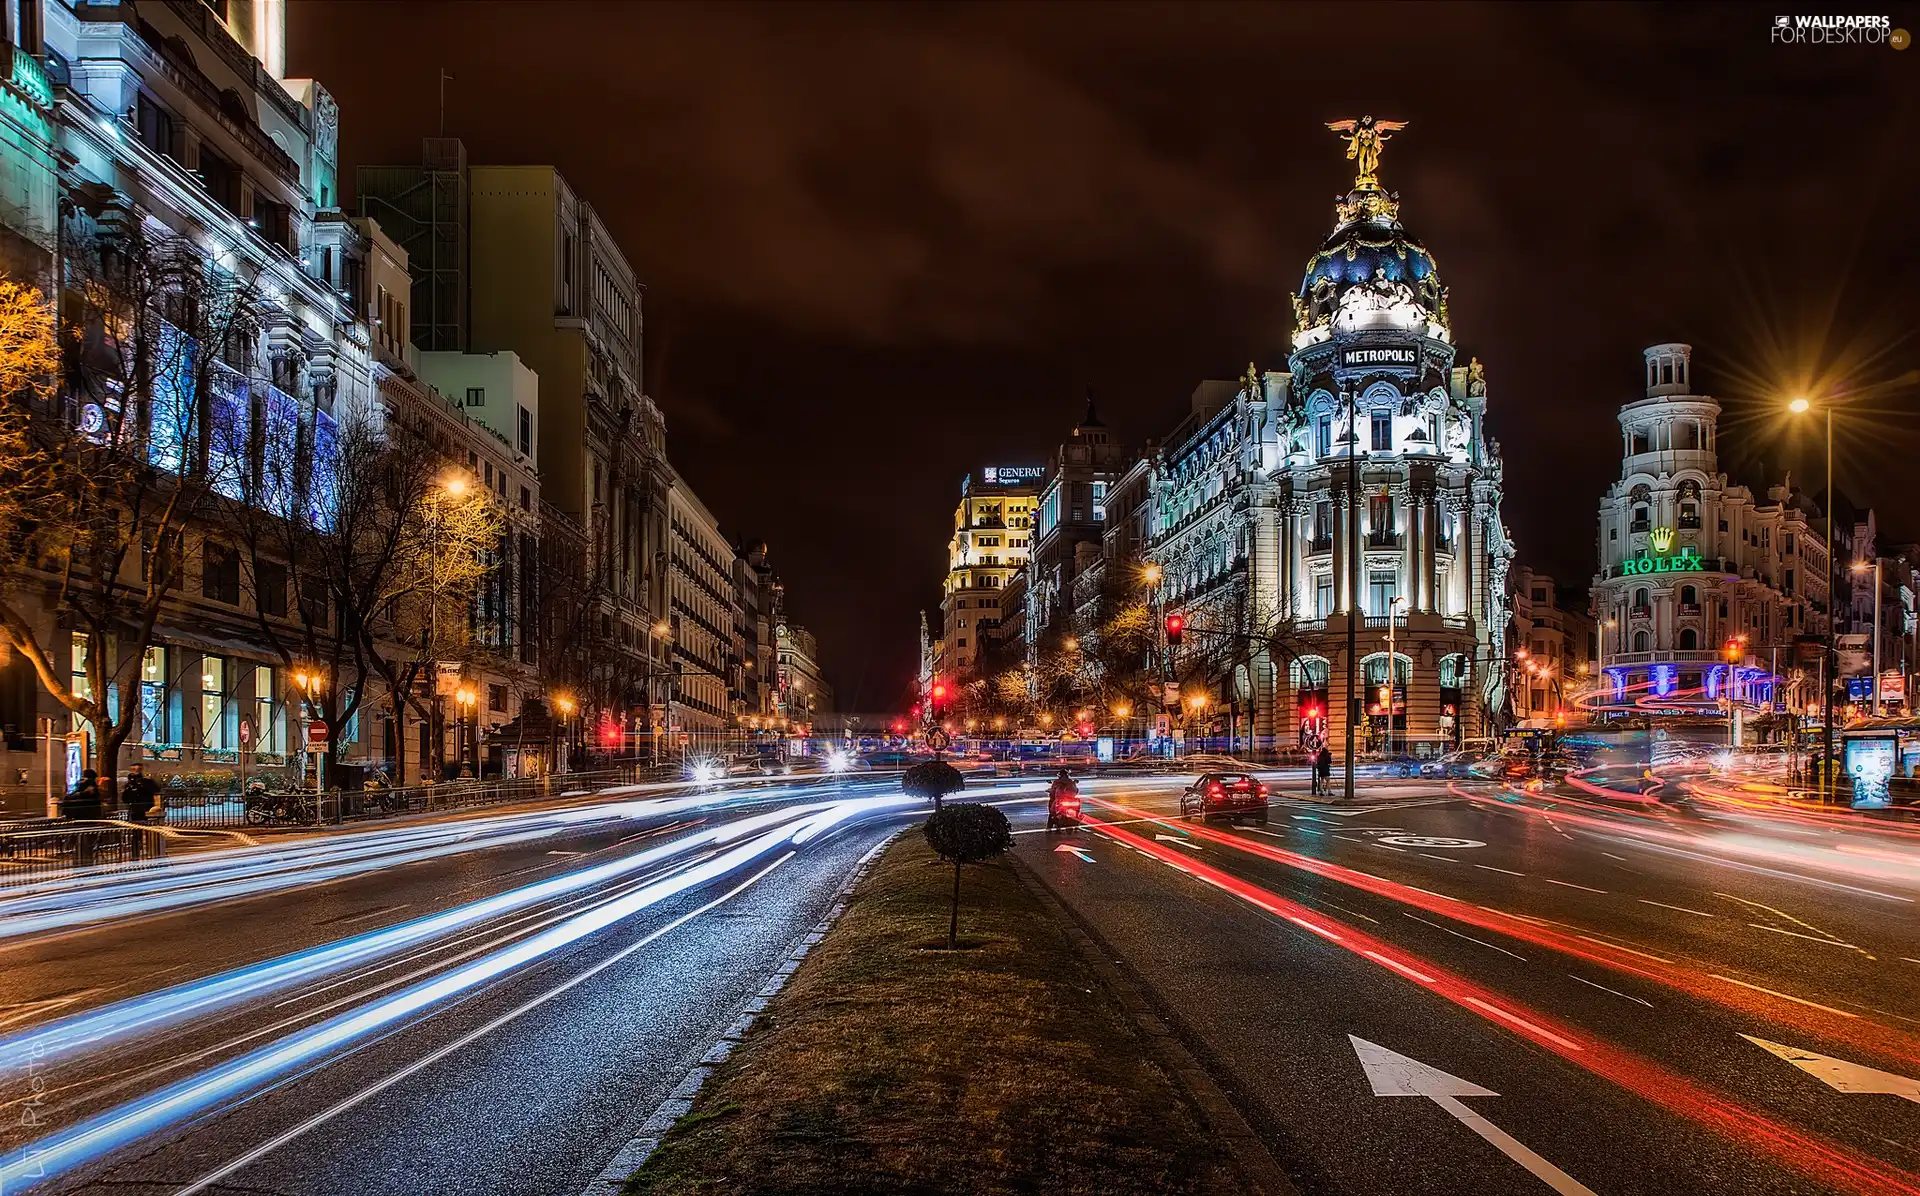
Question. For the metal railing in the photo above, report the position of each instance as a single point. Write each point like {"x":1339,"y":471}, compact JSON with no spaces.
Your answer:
{"x":43,"y":848}
{"x":190,"y":807}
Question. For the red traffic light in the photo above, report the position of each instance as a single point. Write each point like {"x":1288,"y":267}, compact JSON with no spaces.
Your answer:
{"x":1176,"y":624}
{"x":939,"y":691}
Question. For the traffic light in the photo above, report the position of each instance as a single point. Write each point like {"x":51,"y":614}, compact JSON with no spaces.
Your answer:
{"x":937,"y":698}
{"x":1733,"y":651}
{"x":1176,"y":625}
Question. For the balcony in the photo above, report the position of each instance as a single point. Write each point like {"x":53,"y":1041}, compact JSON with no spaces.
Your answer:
{"x":1640,"y":525}
{"x":1384,"y":540}
{"x":1320,"y":544}
{"x":1641,"y":612}
{"x":1689,"y":608}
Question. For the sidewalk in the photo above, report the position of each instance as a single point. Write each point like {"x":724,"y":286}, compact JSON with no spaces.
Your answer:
{"x":890,"y":1064}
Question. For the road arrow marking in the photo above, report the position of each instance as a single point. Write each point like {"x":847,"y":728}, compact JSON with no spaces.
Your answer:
{"x":1393,"y":1074}
{"x":1177,"y":839}
{"x":1079,"y":851}
{"x":1841,"y":1076}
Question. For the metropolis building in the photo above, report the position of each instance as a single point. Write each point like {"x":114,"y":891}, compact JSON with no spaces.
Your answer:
{"x":1356,"y":489}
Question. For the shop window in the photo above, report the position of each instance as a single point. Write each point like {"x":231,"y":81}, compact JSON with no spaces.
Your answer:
{"x":213,"y":703}
{"x":153,"y":695}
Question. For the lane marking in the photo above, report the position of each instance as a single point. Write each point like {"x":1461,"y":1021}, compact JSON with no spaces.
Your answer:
{"x":1841,"y":1075}
{"x":1617,"y":947}
{"x":1811,"y":938}
{"x":1516,"y":1019}
{"x":372,"y":913}
{"x":1683,"y":909}
{"x":1603,"y":988}
{"x":474,"y":1035}
{"x":1468,"y":937}
{"x":1567,"y":884}
{"x":1449,"y":859}
{"x":1397,"y":966}
{"x":1781,"y":995}
{"x":1491,"y":868}
{"x":1611,"y":856}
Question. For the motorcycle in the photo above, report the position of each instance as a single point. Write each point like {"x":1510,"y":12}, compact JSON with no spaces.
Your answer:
{"x":263,"y":806}
{"x":1063,"y":806}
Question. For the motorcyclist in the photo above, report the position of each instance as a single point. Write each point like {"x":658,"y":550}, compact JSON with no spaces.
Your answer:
{"x":1063,"y":787}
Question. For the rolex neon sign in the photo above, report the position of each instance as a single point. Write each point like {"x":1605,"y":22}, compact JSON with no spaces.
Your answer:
{"x":1662,"y":558}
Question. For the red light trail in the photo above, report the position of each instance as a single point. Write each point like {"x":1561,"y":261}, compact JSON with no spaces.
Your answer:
{"x":1807,"y":1153}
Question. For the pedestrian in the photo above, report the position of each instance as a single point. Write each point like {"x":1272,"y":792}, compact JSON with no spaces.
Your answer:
{"x":1323,"y":771}
{"x":141,"y":793}
{"x":84,"y":801}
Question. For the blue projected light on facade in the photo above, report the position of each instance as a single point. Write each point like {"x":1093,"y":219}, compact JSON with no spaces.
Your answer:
{"x":232,"y":431}
{"x":1663,"y":679}
{"x":170,"y":413}
{"x":323,"y":491}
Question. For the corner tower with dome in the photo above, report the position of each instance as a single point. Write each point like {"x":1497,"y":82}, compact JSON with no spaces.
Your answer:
{"x":1356,"y":487}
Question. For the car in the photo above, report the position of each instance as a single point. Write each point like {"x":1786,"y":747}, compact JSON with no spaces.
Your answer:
{"x":1229,"y":795}
{"x":1459,"y":764}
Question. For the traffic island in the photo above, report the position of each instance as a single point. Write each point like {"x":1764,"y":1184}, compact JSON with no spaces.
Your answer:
{"x":890,"y":1064}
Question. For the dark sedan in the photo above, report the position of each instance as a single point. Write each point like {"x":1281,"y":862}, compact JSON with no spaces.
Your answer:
{"x":1230,"y":795}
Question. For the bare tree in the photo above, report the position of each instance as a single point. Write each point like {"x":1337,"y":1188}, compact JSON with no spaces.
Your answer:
{"x":124,"y":461}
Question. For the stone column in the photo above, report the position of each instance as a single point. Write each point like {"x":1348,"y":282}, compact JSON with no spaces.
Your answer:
{"x":1430,"y":549}
{"x":1340,"y":514}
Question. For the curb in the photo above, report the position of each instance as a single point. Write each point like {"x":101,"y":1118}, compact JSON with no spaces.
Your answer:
{"x":631,"y":1156}
{"x":1258,"y":1167}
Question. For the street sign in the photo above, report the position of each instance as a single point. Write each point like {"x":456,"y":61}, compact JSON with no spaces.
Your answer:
{"x":939,"y":740}
{"x":246,"y":731}
{"x":317,"y":733}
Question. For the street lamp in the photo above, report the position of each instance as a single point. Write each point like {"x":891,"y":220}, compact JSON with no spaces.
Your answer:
{"x":566,"y":706}
{"x":466,"y":697}
{"x":1800,"y":406}
{"x":1072,"y":644}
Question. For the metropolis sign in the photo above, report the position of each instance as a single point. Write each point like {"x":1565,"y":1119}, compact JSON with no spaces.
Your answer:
{"x":1380,"y":356}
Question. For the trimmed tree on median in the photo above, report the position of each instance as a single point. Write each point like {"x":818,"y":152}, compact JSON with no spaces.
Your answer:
{"x":932,"y":779}
{"x":966,"y":833}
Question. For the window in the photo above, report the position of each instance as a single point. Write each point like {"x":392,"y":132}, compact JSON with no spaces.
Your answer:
{"x":270,"y":586}
{"x":220,"y":574}
{"x":1689,"y":514}
{"x":1639,"y":641}
{"x":1382,"y":432}
{"x":154,"y":125}
{"x":268,"y":735}
{"x":526,"y":499}
{"x":213,"y":703}
{"x":153,"y":695}
{"x":1640,"y":599}
{"x":1723,"y":525}
{"x":524,"y":420}
{"x":1323,"y":521}
{"x":1539,"y":594}
{"x":1323,"y":435}
{"x":1689,"y":639}
{"x":1641,"y":518}
{"x":1322,"y":596}
{"x":1689,"y":597}
{"x":1380,"y":516}
{"x":1381,"y":588}
{"x":476,"y":396}
{"x":497,"y":698}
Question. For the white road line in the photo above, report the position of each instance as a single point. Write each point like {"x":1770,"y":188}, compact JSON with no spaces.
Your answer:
{"x":1491,"y":868}
{"x":1517,"y":1020}
{"x":1603,"y":988}
{"x":1700,"y":913}
{"x":1909,"y":959}
{"x":1389,"y":847}
{"x":1401,"y":968}
{"x":1782,"y":996}
{"x":1468,"y":937}
{"x":1449,"y":859}
{"x":1611,"y":856}
{"x":474,"y":1035}
{"x":372,"y":913}
{"x":1567,"y":884}
{"x":1629,"y":950}
{"x":1811,"y":938}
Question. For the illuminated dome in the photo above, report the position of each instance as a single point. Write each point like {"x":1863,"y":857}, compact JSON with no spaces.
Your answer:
{"x":1369,"y":247}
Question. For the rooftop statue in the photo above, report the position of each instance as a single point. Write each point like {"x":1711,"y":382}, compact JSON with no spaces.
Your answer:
{"x":1364,"y":137}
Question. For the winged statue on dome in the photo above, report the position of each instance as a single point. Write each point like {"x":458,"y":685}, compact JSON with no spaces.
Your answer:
{"x":1364,"y":137}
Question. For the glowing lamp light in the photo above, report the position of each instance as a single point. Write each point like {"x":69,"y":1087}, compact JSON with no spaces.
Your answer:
{"x":1799,"y":406}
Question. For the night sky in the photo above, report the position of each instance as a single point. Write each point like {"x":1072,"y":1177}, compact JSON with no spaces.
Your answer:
{"x":886,"y":245}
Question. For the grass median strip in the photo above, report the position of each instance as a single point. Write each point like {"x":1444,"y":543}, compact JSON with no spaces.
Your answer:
{"x":892,"y":1065}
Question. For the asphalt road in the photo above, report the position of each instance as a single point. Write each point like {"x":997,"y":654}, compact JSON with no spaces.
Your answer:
{"x":491,"y":1007}
{"x":1596,"y":963}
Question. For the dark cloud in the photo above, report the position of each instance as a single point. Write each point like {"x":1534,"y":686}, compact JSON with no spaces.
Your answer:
{"x":886,"y":244}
